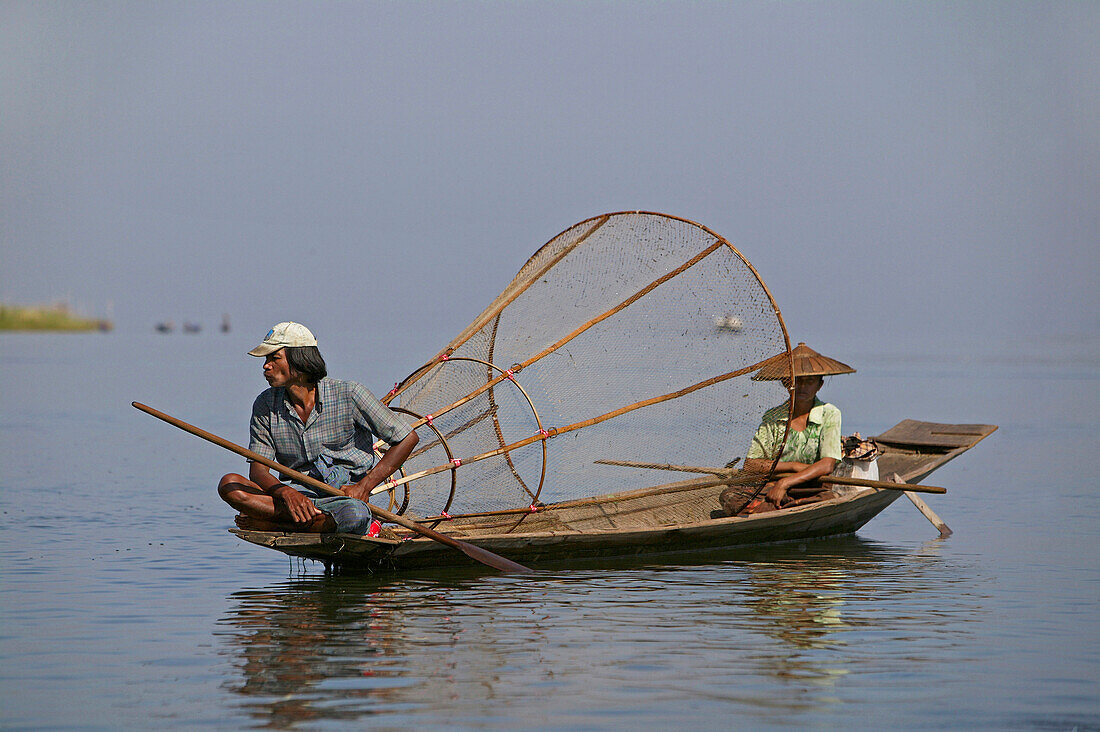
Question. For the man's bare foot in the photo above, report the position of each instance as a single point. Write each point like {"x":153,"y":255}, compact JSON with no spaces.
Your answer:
{"x":320,"y":524}
{"x":254,"y":524}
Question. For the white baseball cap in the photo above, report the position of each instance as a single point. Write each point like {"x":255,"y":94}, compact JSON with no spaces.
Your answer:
{"x":283,"y":335}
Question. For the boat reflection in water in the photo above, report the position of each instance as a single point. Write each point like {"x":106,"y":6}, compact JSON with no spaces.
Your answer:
{"x":335,"y":648}
{"x":300,"y":642}
{"x":764,"y":633}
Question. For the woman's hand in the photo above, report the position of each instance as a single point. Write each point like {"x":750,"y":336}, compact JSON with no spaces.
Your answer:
{"x":777,"y":491}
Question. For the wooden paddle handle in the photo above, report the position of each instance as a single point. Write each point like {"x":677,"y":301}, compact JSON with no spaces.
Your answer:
{"x":470,"y":550}
{"x":291,"y":472}
{"x":943,"y":528}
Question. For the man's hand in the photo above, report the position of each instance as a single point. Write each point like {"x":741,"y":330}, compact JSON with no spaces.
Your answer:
{"x":360,"y":490}
{"x":290,"y":505}
{"x":386,"y":467}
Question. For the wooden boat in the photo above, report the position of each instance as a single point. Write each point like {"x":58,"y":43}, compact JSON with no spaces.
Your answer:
{"x":669,"y":520}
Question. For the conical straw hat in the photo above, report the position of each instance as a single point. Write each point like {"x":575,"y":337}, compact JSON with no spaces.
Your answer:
{"x":807,"y":362}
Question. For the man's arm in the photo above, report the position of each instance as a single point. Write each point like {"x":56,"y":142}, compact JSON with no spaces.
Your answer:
{"x":385,"y":467}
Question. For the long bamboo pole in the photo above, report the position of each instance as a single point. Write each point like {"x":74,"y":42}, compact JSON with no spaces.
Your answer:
{"x":547,"y":434}
{"x":473,"y":552}
{"x":729,"y":472}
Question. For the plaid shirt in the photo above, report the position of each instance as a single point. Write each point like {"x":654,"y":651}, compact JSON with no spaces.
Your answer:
{"x":340,"y":430}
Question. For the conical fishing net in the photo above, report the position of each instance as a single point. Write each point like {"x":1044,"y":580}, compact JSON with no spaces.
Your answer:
{"x":628,"y":337}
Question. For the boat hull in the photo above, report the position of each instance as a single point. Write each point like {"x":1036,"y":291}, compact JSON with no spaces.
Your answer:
{"x":671,"y":520}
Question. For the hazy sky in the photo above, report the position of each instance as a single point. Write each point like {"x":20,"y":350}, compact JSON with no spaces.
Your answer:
{"x":925,"y":169}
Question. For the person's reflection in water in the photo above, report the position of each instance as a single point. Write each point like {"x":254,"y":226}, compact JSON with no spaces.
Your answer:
{"x":801,"y":601}
{"x":299,"y":645}
{"x":805,"y":611}
{"x":804,"y":605}
{"x":819,"y":607}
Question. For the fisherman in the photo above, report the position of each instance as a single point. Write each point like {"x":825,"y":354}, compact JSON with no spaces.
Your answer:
{"x":316,"y":425}
{"x":812,"y":448}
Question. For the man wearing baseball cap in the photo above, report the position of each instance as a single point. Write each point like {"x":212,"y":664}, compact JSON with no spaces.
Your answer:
{"x":316,"y":425}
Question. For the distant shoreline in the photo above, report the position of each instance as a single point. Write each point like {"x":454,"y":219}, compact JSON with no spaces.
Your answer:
{"x":58,"y":318}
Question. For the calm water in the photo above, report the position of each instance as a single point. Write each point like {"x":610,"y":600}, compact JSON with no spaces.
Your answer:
{"x":125,"y":603}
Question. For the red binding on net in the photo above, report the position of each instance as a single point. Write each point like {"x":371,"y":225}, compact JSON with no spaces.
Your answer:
{"x":393,"y":391}
{"x":510,"y":374}
{"x":444,"y":514}
{"x":456,"y":462}
{"x":534,"y":508}
{"x":428,"y":419}
{"x":544,"y":433}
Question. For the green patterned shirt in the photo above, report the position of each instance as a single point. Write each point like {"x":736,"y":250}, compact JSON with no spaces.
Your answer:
{"x":820,"y":439}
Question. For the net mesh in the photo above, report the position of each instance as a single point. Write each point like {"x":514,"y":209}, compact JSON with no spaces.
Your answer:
{"x":629,"y":337}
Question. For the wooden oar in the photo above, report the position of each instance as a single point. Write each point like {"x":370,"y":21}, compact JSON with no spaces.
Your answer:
{"x":927,"y":512}
{"x":473,"y":552}
{"x":729,"y":472}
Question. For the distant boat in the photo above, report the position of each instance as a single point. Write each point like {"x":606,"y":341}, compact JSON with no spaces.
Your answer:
{"x":225,"y":323}
{"x":191,"y":327}
{"x":731,"y":323}
{"x":165,"y":327}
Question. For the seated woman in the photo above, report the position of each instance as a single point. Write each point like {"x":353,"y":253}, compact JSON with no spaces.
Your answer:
{"x":812,"y":447}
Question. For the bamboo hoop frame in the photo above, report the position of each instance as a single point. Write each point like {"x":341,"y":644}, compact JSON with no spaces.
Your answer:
{"x":586,"y":326}
{"x":496,"y":422}
{"x":391,"y":486}
{"x":500,"y":435}
{"x":514,"y":291}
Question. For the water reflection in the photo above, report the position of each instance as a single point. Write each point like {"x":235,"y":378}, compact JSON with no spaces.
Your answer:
{"x":776,"y":631}
{"x":804,"y":605}
{"x":830,"y":607}
{"x":295,"y":642}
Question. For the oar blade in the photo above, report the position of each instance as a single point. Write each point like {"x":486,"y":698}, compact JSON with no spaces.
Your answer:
{"x":492,"y":560}
{"x":476,"y":553}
